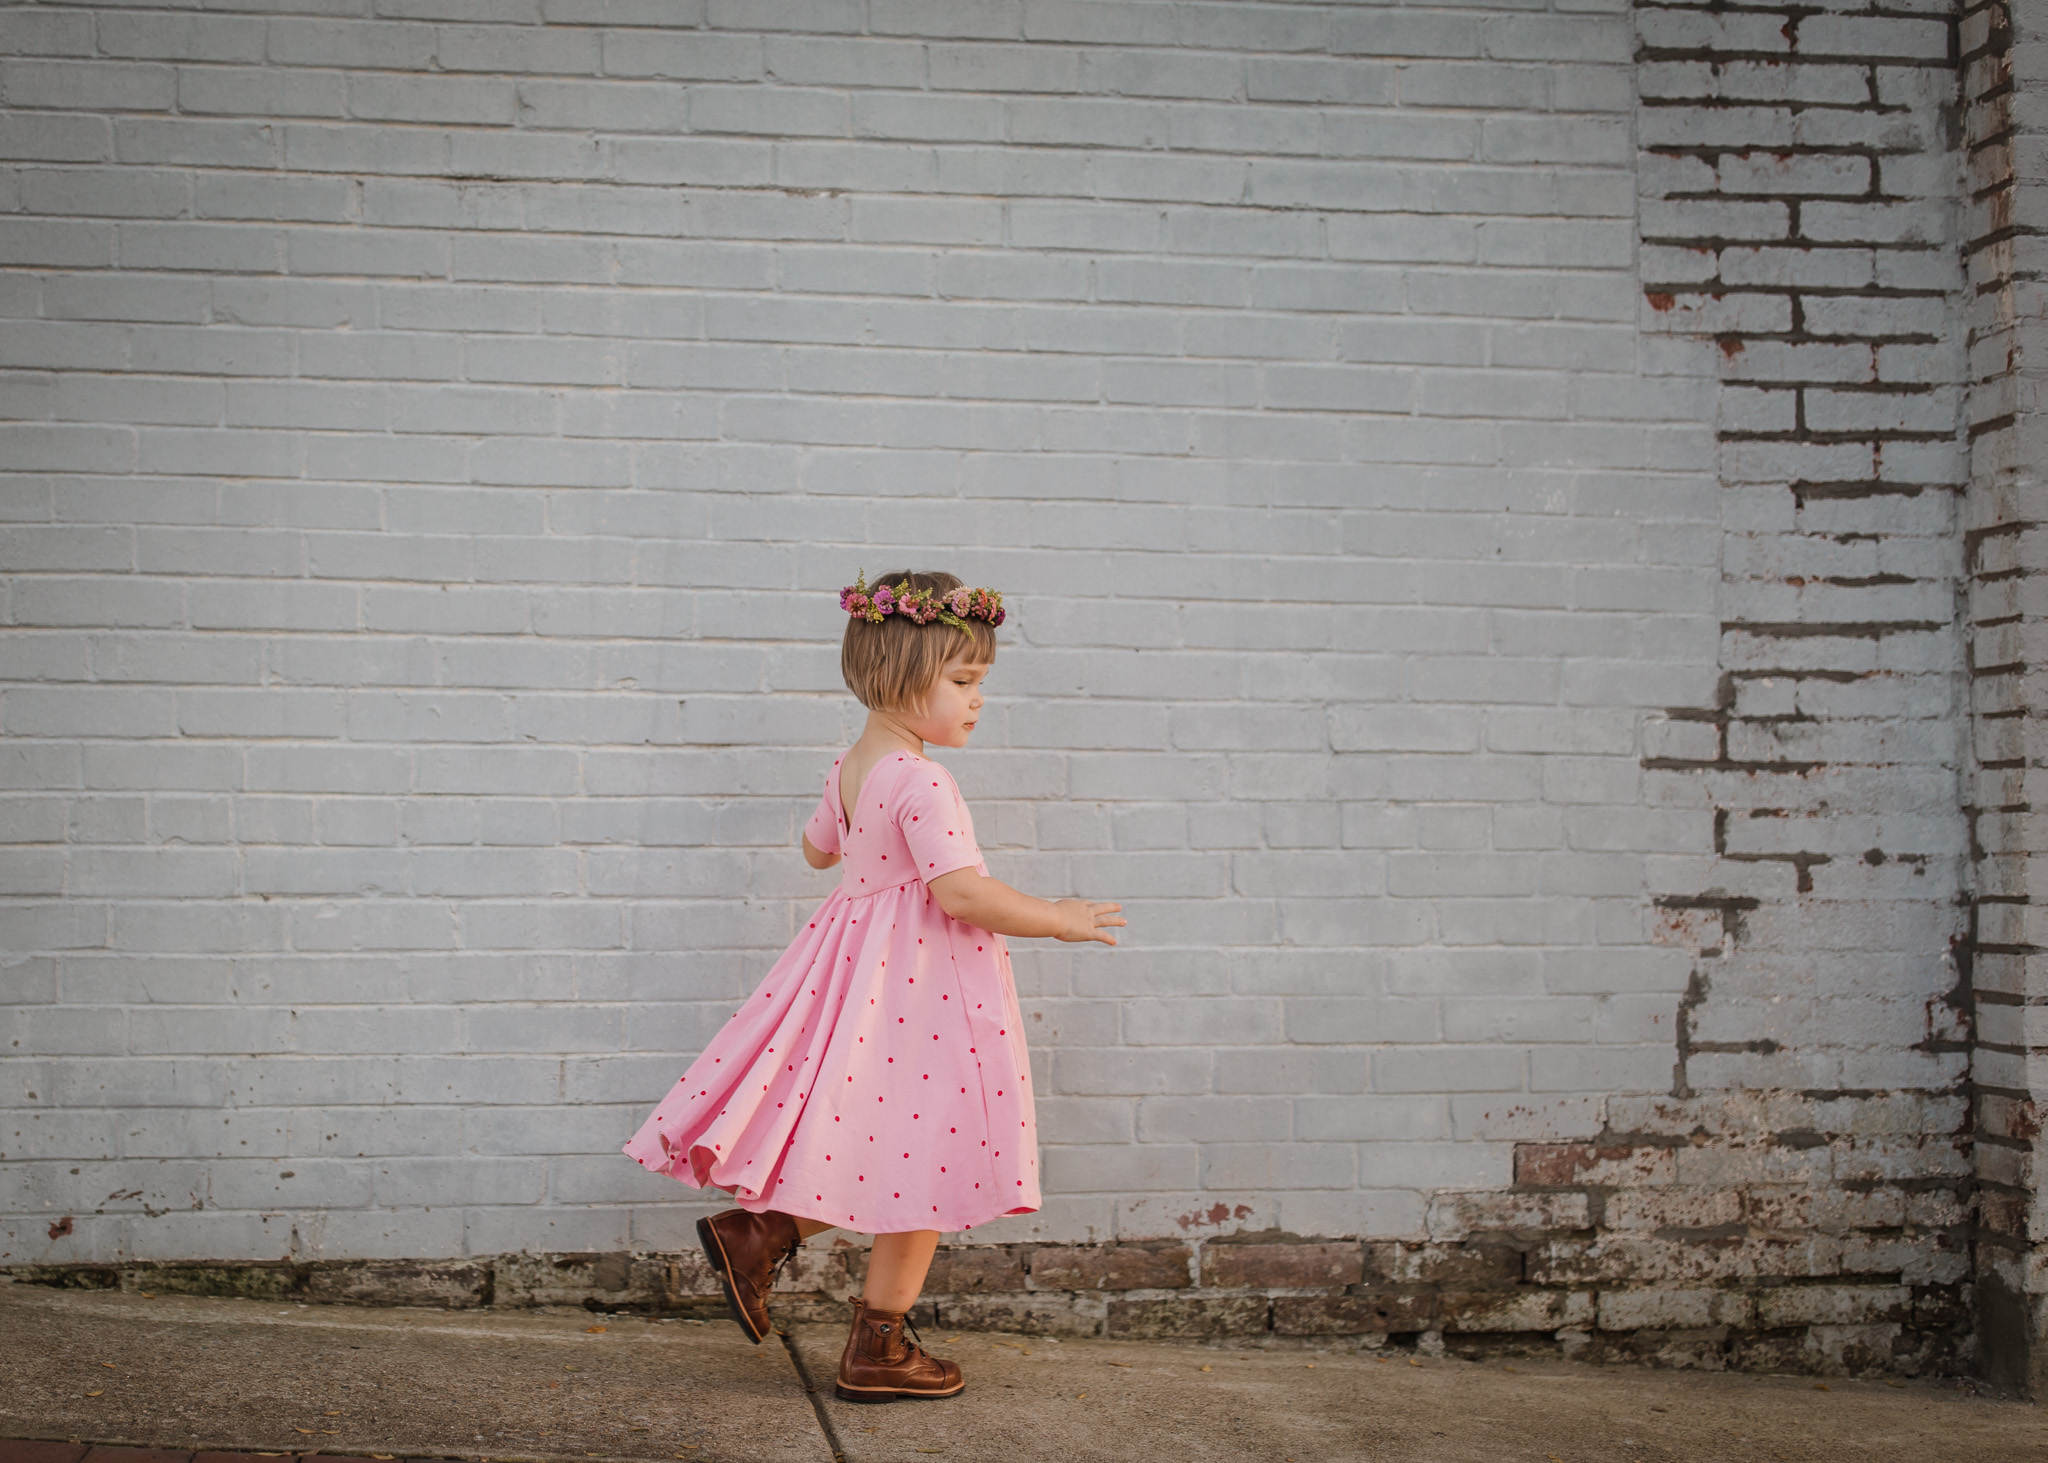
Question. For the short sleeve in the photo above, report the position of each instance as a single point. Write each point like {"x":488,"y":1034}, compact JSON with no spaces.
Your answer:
{"x":933,"y":820}
{"x":823,"y":829}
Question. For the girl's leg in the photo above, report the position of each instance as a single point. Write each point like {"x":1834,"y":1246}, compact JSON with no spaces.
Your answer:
{"x":805,"y":1228}
{"x":896,"y":1268}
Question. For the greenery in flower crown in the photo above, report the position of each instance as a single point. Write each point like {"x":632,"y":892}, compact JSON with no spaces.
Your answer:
{"x":954,"y":607}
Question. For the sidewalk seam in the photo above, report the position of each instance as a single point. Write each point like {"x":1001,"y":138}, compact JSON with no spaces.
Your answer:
{"x":803,"y":1374}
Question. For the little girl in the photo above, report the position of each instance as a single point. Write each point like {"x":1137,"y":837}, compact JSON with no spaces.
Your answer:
{"x":877,"y":1077}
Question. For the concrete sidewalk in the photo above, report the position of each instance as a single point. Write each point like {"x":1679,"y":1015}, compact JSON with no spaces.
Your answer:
{"x":191,"y":1375}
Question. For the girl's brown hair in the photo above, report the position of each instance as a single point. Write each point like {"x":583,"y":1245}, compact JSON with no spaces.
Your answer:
{"x":891,"y":666}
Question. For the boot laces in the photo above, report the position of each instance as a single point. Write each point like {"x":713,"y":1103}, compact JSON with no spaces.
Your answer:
{"x":916,"y":1341}
{"x":913,"y":1344}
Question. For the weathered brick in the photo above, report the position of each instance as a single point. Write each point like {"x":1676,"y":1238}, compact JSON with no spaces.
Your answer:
{"x":1519,"y":1310}
{"x":1462,"y":1265}
{"x":1660,"y":1308}
{"x":1601,"y":1166}
{"x":399,"y":1283}
{"x":976,"y":1270}
{"x":1186,"y":1317}
{"x":1366,"y":1314}
{"x":1830,"y":1305}
{"x":1282,"y":1265}
{"x":1029,"y":1315}
{"x":1109,"y":1267}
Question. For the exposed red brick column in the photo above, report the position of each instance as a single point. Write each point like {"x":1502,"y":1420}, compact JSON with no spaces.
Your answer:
{"x":1805,"y":1184}
{"x":2005,"y":61}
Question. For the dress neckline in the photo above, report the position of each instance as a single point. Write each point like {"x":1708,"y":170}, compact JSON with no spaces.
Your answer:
{"x":839,"y":766}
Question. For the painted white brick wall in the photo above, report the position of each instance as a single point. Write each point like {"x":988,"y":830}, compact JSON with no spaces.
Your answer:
{"x":433,"y":439}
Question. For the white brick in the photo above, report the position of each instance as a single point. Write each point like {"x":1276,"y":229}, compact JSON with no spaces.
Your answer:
{"x":427,"y":430}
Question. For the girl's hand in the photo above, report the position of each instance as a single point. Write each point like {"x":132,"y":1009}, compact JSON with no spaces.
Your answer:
{"x":1085,"y":921}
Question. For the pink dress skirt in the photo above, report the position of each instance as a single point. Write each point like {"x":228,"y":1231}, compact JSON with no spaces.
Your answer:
{"x":877,"y":1077}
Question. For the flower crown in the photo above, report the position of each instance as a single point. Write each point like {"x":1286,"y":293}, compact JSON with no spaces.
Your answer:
{"x":954,"y":606}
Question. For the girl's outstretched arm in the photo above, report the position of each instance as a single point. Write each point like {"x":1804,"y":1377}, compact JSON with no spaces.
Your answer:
{"x":990,"y":904}
{"x":817,"y":858}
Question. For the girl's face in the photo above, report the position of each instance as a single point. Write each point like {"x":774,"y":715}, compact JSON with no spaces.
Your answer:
{"x":953,"y":706}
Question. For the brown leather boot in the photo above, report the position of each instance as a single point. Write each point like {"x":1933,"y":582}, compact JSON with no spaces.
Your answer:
{"x":747,"y":1251}
{"x":880,"y":1365}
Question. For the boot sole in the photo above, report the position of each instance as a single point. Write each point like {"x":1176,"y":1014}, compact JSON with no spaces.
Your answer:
{"x":890,"y":1394}
{"x":721,"y":1266}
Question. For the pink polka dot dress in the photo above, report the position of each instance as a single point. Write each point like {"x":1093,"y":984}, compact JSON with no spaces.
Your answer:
{"x":877,"y":1078}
